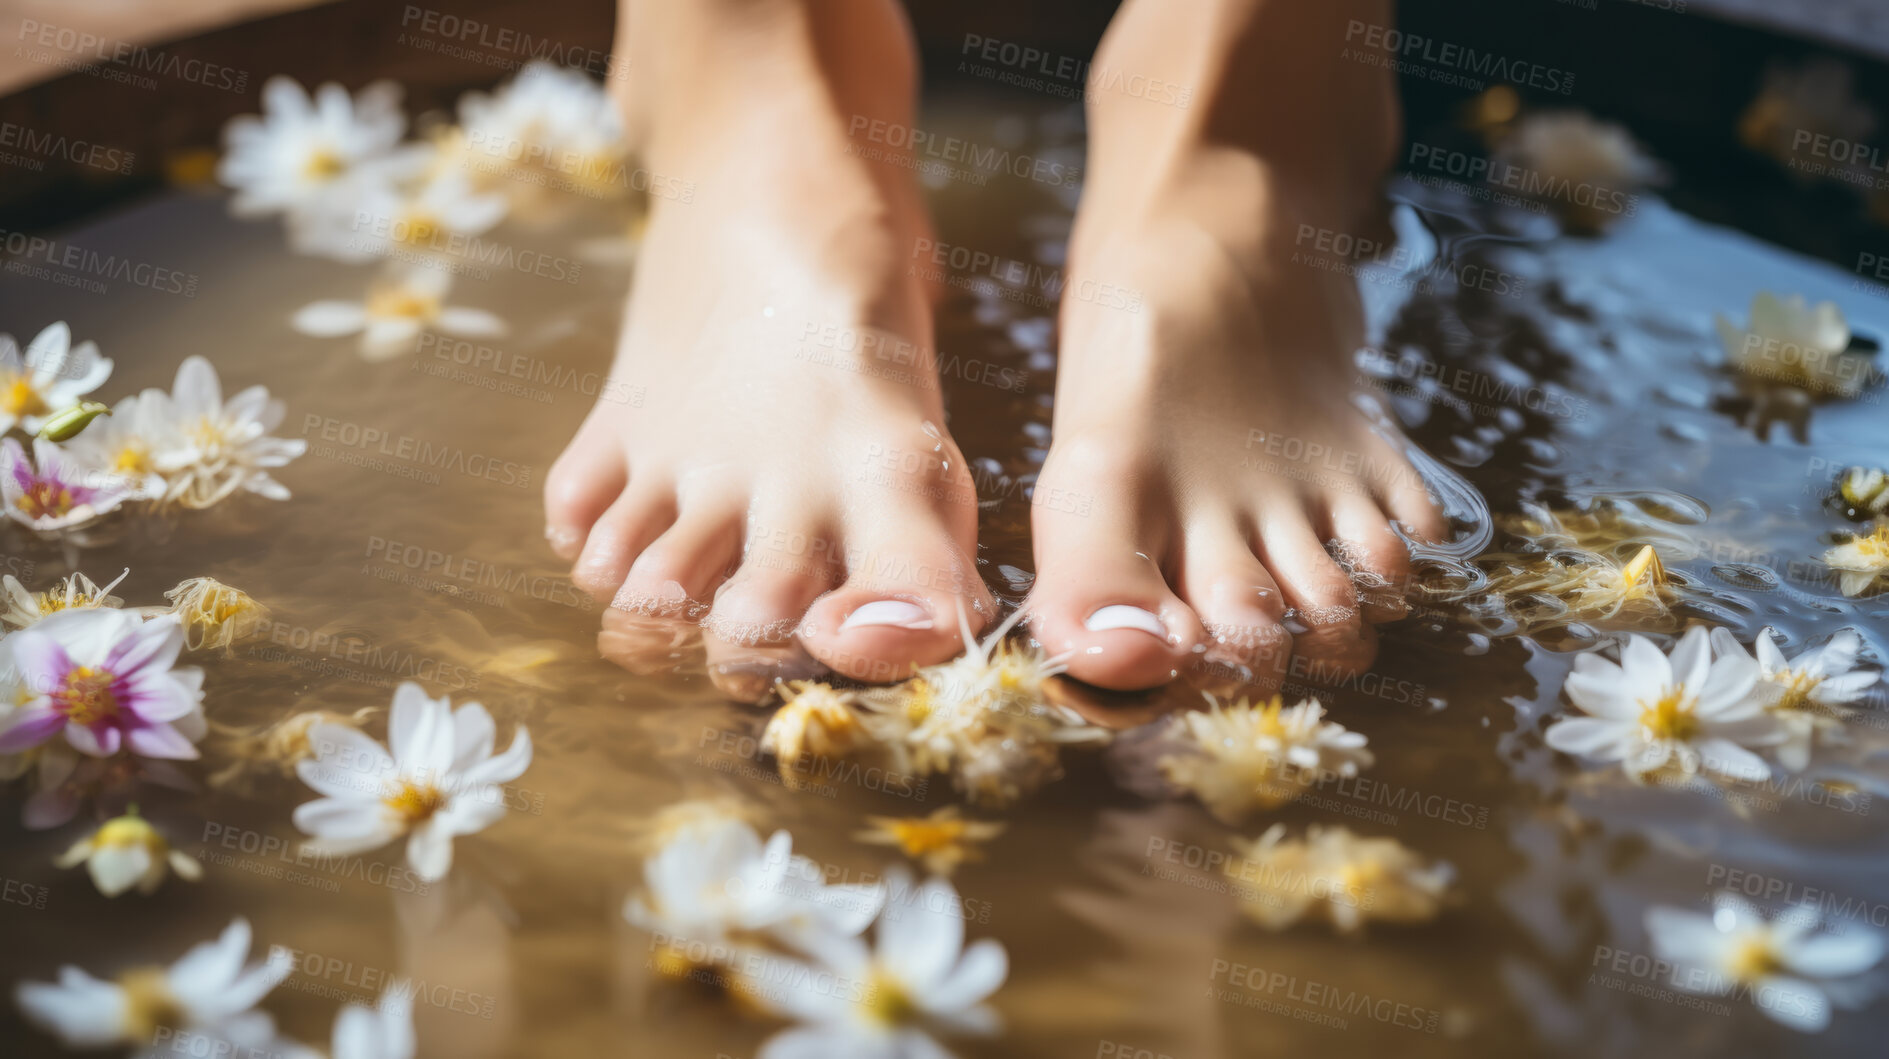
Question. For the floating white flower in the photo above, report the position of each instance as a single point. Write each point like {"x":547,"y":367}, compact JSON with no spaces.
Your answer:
{"x":77,"y":592}
{"x":547,"y":126}
{"x":1865,"y":491}
{"x":441,"y":781}
{"x":813,"y":721}
{"x":214,"y":614}
{"x":940,"y":841}
{"x":1792,"y":342}
{"x":56,"y":497}
{"x":1588,"y":169}
{"x":122,"y":447}
{"x":218,"y":447}
{"x":1649,"y":712}
{"x":1244,"y":757}
{"x":398,"y":308}
{"x":1809,"y":695}
{"x":382,"y":219}
{"x":204,"y":999}
{"x":1791,"y":973}
{"x":717,"y":884}
{"x":51,"y":378}
{"x":1345,"y":878}
{"x":302,"y":150}
{"x":384,"y":1031}
{"x":106,"y":681}
{"x":887,"y":1002}
{"x":1862,"y":561}
{"x":127,"y":851}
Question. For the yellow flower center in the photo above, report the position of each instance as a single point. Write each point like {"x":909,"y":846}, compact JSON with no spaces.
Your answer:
{"x":1670,"y":716}
{"x":1360,"y":877}
{"x":127,"y":831}
{"x":20,"y":398}
{"x":323,"y":164}
{"x":922,"y":836}
{"x":415,"y":802}
{"x":420,"y":229}
{"x":1753,"y":959}
{"x":149,"y":1005}
{"x":400,"y":302}
{"x":1875,"y":547}
{"x":1795,"y":687}
{"x":1267,"y":719}
{"x":45,"y":499}
{"x":134,"y":457}
{"x":920,"y":700}
{"x":887,"y":1002}
{"x":86,"y":697}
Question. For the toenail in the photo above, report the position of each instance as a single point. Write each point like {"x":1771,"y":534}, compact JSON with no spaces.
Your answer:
{"x":894,"y":612}
{"x":1123,"y":616}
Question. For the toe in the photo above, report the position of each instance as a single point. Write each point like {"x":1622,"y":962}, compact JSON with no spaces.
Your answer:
{"x":1240,"y":607}
{"x":749,"y":633}
{"x":586,"y":479}
{"x":1406,"y":499}
{"x":639,"y":516}
{"x":1330,"y":641}
{"x":1378,"y":560}
{"x":1101,"y":599}
{"x":899,"y":606}
{"x":677,"y":572}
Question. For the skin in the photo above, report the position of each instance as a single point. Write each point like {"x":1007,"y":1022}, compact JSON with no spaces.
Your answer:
{"x":786,"y":472}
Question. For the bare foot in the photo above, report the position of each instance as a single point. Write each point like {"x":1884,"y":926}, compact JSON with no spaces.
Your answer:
{"x":787,"y":475}
{"x":1210,"y":430}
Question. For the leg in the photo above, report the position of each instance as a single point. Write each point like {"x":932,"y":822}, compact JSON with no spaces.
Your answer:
{"x":787,"y":474}
{"x":1213,"y":425}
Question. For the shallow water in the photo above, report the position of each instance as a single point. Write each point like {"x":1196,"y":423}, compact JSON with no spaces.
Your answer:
{"x":387,"y":566}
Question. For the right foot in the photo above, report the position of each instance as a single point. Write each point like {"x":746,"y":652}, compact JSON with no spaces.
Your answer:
{"x":787,"y":476}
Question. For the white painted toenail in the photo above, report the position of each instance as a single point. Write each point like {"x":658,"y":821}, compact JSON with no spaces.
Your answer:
{"x":1123,"y":616}
{"x":894,"y":612}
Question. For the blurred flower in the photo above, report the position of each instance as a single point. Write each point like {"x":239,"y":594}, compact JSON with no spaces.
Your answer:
{"x":917,"y":979}
{"x":1243,"y":757}
{"x":1808,"y":695}
{"x":123,"y":448}
{"x":381,"y":219}
{"x":107,"y":680}
{"x":214,"y":614}
{"x":302,"y":150}
{"x":1650,"y":712}
{"x":127,"y":851}
{"x":1799,"y":104}
{"x":218,"y":447}
{"x":58,"y":497}
{"x":281,"y":745}
{"x":1793,"y":975}
{"x":206,"y":999}
{"x":384,"y":1031}
{"x":441,"y":781}
{"x":1791,"y":342}
{"x":548,"y":128}
{"x":77,"y":592}
{"x":1337,"y":875}
{"x":715,"y":883}
{"x":813,"y":721}
{"x":1865,"y":490}
{"x":398,"y":308}
{"x":1586,"y":170}
{"x":1861,"y":561}
{"x":52,"y":377}
{"x":940,"y":841}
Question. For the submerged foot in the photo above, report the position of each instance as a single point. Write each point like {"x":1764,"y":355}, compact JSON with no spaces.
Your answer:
{"x":787,"y":476}
{"x":1235,"y":523}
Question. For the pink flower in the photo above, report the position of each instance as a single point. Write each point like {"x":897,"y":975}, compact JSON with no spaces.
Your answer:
{"x":107,"y":680}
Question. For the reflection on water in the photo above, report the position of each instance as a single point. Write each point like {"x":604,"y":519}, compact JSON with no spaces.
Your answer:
{"x":1587,"y":383}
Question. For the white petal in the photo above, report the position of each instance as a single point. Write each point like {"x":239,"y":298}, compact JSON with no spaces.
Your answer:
{"x":430,"y":852}
{"x":977,"y":976}
{"x":463,"y":322}
{"x":1835,"y":955}
{"x":115,"y":869}
{"x":329,"y":319}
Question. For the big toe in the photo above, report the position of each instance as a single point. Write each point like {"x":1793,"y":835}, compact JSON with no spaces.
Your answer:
{"x":906,"y":598}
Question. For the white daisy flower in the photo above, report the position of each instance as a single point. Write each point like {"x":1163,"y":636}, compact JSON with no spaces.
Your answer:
{"x":1572,"y":147}
{"x":442,"y":780}
{"x":1245,"y":756}
{"x":1791,"y":973}
{"x":77,"y":592}
{"x":1862,"y":561}
{"x":1809,"y":695}
{"x":1650,"y":712}
{"x":398,"y":308}
{"x":380,"y":219}
{"x":384,"y":1031}
{"x":217,"y":447}
{"x":1334,"y":874}
{"x":918,"y":979}
{"x":208,"y":996}
{"x":127,"y":851}
{"x":51,"y":377}
{"x":549,"y":122}
{"x":303,"y":149}
{"x":716,"y":883}
{"x":122,"y":447}
{"x":1792,"y":342}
